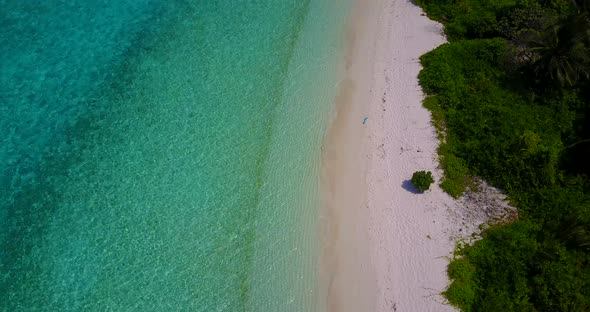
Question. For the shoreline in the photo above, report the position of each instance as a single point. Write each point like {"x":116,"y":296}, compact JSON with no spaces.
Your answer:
{"x":347,"y":274}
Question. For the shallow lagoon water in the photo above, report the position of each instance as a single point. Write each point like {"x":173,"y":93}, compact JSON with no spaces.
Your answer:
{"x":164,"y":155}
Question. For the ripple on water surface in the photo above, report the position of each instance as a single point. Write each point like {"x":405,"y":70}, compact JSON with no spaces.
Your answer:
{"x":163,"y":155}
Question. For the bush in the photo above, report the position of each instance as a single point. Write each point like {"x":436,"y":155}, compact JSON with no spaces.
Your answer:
{"x":491,"y":128}
{"x":422,"y":180}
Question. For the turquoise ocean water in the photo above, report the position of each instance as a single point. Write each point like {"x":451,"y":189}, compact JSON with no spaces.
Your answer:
{"x":163,"y":155}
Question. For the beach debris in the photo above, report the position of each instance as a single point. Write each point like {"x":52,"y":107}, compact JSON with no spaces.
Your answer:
{"x":381,"y":151}
{"x":480,"y":207}
{"x":365,"y":120}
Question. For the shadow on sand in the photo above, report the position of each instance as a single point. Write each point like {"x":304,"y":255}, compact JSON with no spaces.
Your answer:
{"x":409,"y":186}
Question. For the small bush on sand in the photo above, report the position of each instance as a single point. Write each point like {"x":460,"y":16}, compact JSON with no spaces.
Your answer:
{"x":422,"y":180}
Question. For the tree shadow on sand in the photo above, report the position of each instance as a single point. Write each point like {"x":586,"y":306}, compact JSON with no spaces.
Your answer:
{"x":409,"y":186}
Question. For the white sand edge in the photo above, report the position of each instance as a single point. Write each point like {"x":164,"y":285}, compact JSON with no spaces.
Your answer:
{"x":408,"y":232}
{"x":412,"y":236}
{"x":387,"y":248}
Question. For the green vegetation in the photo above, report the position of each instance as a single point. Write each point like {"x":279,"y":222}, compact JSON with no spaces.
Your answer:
{"x":422,"y":180}
{"x":510,"y":97}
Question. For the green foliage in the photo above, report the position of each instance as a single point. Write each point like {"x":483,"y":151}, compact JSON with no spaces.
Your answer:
{"x":499,"y":274}
{"x":471,"y":19}
{"x":520,"y":123}
{"x":422,"y":180}
{"x":462,"y":292}
{"x":559,"y":51}
{"x":514,"y":269}
{"x":456,"y":178}
{"x":481,"y":19}
{"x":491,"y":129}
{"x":522,"y":18}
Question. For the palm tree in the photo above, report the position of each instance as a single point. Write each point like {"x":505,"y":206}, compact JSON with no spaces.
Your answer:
{"x":581,"y":5}
{"x":559,"y":52}
{"x":574,"y":232}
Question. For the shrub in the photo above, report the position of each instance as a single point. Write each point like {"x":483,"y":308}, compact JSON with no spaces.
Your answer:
{"x":422,"y":180}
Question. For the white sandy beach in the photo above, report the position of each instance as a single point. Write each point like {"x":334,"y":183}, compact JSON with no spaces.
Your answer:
{"x":387,"y":247}
{"x":409,"y":233}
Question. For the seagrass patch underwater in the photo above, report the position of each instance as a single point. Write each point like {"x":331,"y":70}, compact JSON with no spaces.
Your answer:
{"x":163,"y":155}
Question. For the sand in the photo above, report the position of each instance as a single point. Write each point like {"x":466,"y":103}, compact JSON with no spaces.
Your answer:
{"x":408,"y":232}
{"x":346,"y":267}
{"x":387,"y":247}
